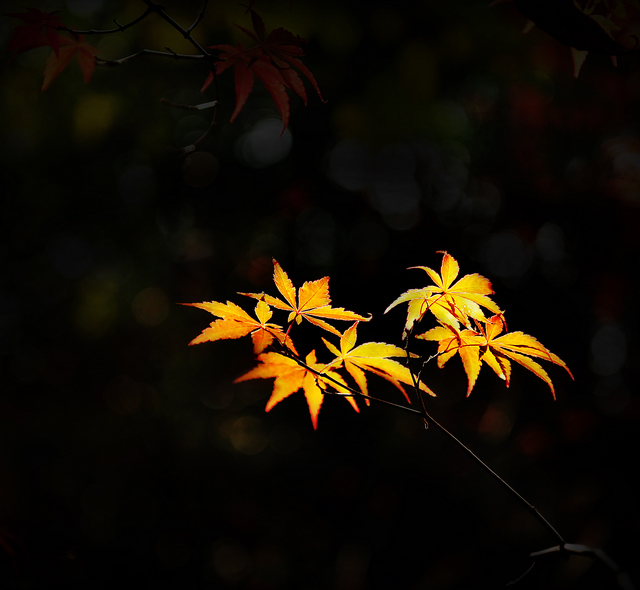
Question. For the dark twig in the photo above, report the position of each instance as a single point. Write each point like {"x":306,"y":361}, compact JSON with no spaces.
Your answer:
{"x":203,"y":53}
{"x":416,"y":381}
{"x":189,"y":107}
{"x":119,"y":28}
{"x":199,"y":17}
{"x":184,"y":32}
{"x":187,"y":149}
{"x":622,"y":578}
{"x":428,"y":418}
{"x":122,"y":60}
{"x":530,"y":507}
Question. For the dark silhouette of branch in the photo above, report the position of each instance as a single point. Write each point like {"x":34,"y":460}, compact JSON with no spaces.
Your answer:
{"x":119,"y":28}
{"x":199,"y":17}
{"x":429,"y":419}
{"x":186,"y":33}
{"x":622,"y":578}
{"x":199,"y":107}
{"x":189,"y":107}
{"x":169,"y":53}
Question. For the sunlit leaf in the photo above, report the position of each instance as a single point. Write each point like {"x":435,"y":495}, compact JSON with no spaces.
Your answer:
{"x":451,"y":303}
{"x":312,"y":302}
{"x":486,"y":346}
{"x":374,"y":357}
{"x":234,"y":322}
{"x":290,"y":377}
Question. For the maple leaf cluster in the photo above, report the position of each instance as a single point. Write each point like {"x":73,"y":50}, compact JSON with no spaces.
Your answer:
{"x":457,"y":306}
{"x":42,"y":29}
{"x":310,"y":303}
{"x":460,"y":304}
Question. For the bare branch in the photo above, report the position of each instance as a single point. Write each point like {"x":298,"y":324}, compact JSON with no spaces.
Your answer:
{"x":122,"y":60}
{"x":427,"y":417}
{"x":199,"y":17}
{"x":622,"y":578}
{"x":198,"y":107}
{"x":184,"y":32}
{"x":119,"y":28}
{"x":190,"y":107}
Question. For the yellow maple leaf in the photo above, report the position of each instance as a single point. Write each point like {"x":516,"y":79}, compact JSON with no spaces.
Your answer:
{"x":486,"y":346}
{"x":312,"y":301}
{"x":373,"y":357}
{"x":290,"y":376}
{"x":235,"y":322}
{"x":451,"y":303}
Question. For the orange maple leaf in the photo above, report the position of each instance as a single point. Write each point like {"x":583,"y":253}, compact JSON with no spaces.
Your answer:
{"x":38,"y":30}
{"x":373,"y":357}
{"x":485,"y":346}
{"x":312,"y":302}
{"x":70,"y":47}
{"x":450,"y":303}
{"x":271,"y":61}
{"x":235,"y":322}
{"x":290,"y":376}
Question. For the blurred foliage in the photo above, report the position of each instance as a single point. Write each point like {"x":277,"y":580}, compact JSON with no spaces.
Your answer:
{"x":124,"y":454}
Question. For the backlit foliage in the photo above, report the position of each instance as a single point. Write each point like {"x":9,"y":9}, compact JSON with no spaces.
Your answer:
{"x":454,"y":304}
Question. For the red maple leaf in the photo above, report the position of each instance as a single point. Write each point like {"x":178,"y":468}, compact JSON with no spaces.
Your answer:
{"x":59,"y":60}
{"x":38,"y":30}
{"x":272,"y":61}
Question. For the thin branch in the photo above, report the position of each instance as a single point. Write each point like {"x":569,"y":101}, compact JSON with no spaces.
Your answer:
{"x":184,"y":32}
{"x":416,"y":381}
{"x":428,"y":418}
{"x":522,"y":576}
{"x":423,"y":412}
{"x":354,"y":393}
{"x":187,"y":149}
{"x":171,"y":54}
{"x":189,"y":107}
{"x":563,"y":548}
{"x":622,"y":578}
{"x":199,"y":17}
{"x":530,"y":507}
{"x":119,"y":28}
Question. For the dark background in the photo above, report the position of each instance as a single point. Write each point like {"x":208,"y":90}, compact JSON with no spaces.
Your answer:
{"x":126,"y":456}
